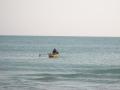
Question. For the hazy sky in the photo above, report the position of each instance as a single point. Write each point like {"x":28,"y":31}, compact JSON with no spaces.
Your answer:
{"x":60,"y":17}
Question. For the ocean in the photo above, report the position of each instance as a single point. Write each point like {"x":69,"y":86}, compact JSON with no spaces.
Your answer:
{"x":85,"y":63}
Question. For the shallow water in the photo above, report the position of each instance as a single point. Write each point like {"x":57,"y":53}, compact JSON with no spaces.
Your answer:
{"x":85,"y":63}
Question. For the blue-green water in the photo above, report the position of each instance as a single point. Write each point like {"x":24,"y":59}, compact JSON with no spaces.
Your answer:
{"x":85,"y":63}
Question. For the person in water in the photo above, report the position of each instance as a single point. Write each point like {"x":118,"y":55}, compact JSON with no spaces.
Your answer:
{"x":55,"y":51}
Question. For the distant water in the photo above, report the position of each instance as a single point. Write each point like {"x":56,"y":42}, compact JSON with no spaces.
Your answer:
{"x":85,"y":63}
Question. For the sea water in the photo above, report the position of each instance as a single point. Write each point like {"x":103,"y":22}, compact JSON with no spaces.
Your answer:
{"x":85,"y":63}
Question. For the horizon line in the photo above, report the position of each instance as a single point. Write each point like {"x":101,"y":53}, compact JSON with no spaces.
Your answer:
{"x":61,"y":35}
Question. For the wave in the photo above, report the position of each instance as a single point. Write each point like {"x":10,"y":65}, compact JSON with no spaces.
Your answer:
{"x":90,"y":76}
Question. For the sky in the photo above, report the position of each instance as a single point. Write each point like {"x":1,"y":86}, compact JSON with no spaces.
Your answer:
{"x":60,"y":17}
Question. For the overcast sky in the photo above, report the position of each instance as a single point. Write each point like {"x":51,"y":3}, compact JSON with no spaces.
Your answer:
{"x":60,"y":17}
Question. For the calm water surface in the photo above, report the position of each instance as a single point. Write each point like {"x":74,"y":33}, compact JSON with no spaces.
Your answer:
{"x":85,"y":63}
